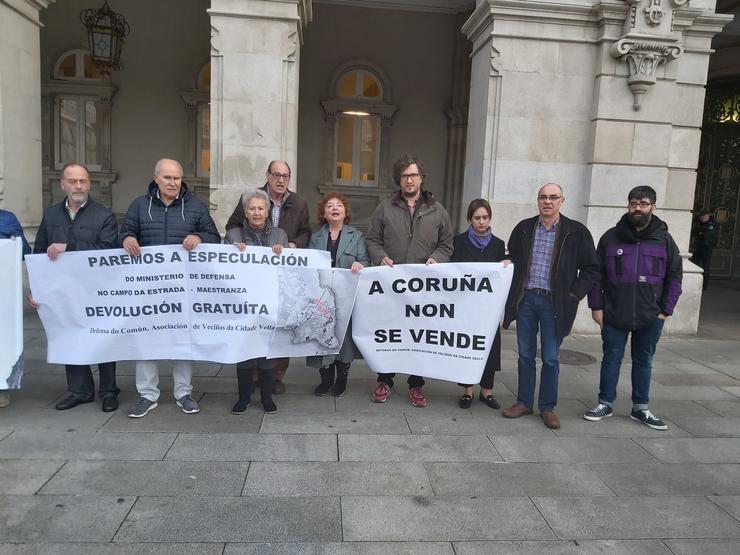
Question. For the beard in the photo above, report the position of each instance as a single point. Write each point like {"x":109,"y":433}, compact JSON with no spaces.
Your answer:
{"x":639,"y":220}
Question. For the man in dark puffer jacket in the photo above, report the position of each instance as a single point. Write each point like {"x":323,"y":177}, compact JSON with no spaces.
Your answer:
{"x":640,"y":285}
{"x":169,"y":214}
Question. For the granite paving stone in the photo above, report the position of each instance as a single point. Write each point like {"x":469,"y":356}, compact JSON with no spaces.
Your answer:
{"x":254,"y":447}
{"x":305,"y":479}
{"x":692,"y":450}
{"x":636,"y":517}
{"x":727,"y":426}
{"x":232,"y":519}
{"x":61,"y":518}
{"x":570,"y":450}
{"x":214,"y":417}
{"x":415,"y":448}
{"x":156,"y":478}
{"x":618,"y":425}
{"x":464,"y":424}
{"x":514,"y":479}
{"x":730,"y":503}
{"x":581,"y":547}
{"x":100,"y":548}
{"x":670,"y":479}
{"x":25,"y":477}
{"x":344,"y":423}
{"x":343,"y":548}
{"x":440,"y":402}
{"x":294,"y":402}
{"x":722,"y":408}
{"x":28,"y":444}
{"x":734,"y":391}
{"x":695,"y":379}
{"x":693,"y":393}
{"x":704,"y":546}
{"x":87,"y":417}
{"x":5,"y":433}
{"x":440,"y":518}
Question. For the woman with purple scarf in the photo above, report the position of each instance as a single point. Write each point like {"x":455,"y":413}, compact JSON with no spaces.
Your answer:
{"x":478,"y":244}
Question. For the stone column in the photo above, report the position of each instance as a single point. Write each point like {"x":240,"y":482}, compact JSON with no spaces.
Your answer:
{"x":648,"y":109}
{"x":599,"y":96}
{"x":255,"y":55}
{"x":20,"y":110}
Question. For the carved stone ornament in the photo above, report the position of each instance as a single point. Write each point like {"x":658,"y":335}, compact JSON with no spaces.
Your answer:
{"x":647,"y":42}
{"x":643,"y":59}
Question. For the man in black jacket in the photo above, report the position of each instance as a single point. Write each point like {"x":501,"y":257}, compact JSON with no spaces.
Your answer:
{"x":78,"y":223}
{"x":169,"y":214}
{"x":289,"y":212}
{"x":638,"y":289}
{"x":555,"y":266}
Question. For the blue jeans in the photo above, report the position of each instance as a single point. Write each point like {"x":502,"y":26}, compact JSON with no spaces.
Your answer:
{"x":536,"y":312}
{"x":642,"y":345}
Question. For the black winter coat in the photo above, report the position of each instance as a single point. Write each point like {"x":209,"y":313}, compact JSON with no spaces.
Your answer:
{"x":574,"y":270}
{"x":152,"y":222}
{"x":93,"y":228}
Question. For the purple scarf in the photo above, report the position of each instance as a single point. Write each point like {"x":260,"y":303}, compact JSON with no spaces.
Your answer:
{"x":480,"y":241}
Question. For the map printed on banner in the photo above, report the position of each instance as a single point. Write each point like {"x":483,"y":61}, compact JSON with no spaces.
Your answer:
{"x":11,"y":307}
{"x":214,"y":303}
{"x":436,"y":321}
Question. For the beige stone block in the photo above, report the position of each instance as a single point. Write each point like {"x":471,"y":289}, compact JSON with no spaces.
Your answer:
{"x":679,"y":226}
{"x":528,"y":56}
{"x":578,"y":59}
{"x":651,"y":145}
{"x":613,"y":142}
{"x":252,"y":124}
{"x":524,"y":94}
{"x":680,"y":189}
{"x":601,"y":218}
{"x":692,"y":68}
{"x":253,"y":77}
{"x":610,"y":184}
{"x":684,"y":150}
{"x":254,"y":36}
{"x":555,"y":140}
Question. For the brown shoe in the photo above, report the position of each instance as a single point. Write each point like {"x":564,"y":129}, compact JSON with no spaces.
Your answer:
{"x":516,"y":410}
{"x":550,"y":419}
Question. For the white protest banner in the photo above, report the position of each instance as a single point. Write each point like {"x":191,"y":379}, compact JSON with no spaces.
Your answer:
{"x":11,"y":307}
{"x":214,"y":303}
{"x":436,"y":321}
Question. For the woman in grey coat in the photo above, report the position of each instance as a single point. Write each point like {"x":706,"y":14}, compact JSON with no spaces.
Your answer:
{"x":348,"y":250}
{"x":256,"y":231}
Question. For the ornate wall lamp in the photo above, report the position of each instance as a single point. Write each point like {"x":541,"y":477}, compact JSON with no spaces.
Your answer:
{"x":106,"y":31}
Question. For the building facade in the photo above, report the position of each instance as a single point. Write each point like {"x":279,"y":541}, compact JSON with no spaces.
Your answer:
{"x":496,"y":96}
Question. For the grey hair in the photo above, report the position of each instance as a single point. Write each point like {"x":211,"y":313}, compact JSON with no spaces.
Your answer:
{"x":255,"y":193}
{"x":158,"y":165}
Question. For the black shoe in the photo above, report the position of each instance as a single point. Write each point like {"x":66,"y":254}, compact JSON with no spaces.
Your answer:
{"x":240,"y":406}
{"x":110,"y":404}
{"x":465,"y":401}
{"x":490,"y":400}
{"x":71,"y":401}
{"x":340,"y":385}
{"x":269,"y":406}
{"x":327,"y":381}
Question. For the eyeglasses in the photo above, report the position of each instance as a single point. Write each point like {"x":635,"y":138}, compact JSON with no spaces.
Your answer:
{"x":410,"y":176}
{"x":278,"y":176}
{"x":643,"y":204}
{"x":551,"y":198}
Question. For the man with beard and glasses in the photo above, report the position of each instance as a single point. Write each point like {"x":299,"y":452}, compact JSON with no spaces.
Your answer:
{"x":410,"y":227}
{"x":640,"y":285}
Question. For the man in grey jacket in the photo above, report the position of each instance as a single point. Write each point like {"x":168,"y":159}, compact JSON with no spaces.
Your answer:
{"x":410,"y":227}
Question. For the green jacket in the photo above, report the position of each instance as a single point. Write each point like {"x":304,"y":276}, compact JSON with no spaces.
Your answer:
{"x":351,"y":247}
{"x":394,"y":233}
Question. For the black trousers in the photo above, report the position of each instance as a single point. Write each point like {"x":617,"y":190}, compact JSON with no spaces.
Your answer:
{"x":266,"y":370}
{"x":80,"y":380}
{"x":493,"y":364}
{"x":413,"y":381}
{"x":703,"y":258}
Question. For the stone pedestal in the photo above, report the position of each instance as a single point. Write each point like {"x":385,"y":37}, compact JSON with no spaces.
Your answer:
{"x":255,"y":52}
{"x":599,"y":96}
{"x":20,"y":111}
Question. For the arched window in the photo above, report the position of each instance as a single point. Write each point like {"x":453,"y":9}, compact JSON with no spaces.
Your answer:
{"x":359,"y":116}
{"x":76,"y":122}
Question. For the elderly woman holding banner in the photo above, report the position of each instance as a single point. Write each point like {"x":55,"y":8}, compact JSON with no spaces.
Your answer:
{"x":478,"y":244}
{"x":348,"y":250}
{"x":256,"y":231}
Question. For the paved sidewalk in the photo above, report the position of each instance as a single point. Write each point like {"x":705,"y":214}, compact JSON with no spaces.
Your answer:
{"x":346,"y":476}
